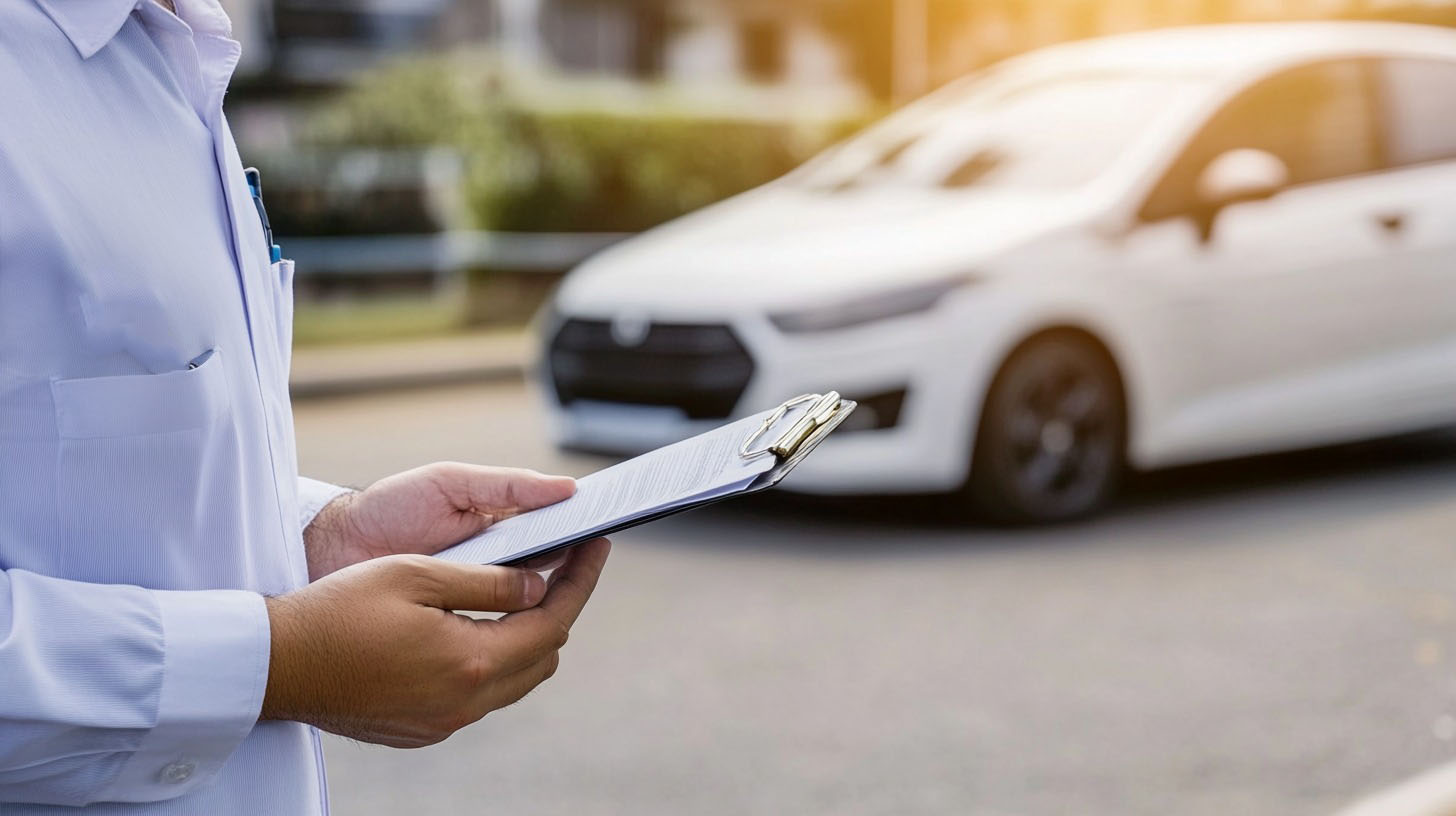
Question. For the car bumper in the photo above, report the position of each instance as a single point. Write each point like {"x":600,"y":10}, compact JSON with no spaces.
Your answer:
{"x":926,"y":450}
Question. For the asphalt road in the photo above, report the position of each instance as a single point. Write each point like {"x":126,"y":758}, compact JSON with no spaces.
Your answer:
{"x":1267,"y":637}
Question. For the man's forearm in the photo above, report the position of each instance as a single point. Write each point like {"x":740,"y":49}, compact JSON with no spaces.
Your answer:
{"x":324,"y":538}
{"x":314,"y":496}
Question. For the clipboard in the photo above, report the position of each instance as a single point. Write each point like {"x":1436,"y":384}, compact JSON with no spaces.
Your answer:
{"x":788,"y":434}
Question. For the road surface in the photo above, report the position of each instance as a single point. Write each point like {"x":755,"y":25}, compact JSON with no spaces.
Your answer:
{"x":1268,"y":637}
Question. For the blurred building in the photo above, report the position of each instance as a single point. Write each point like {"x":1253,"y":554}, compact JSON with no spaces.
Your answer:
{"x":314,"y":43}
{"x":712,"y":40}
{"x":890,"y":49}
{"x":308,"y":43}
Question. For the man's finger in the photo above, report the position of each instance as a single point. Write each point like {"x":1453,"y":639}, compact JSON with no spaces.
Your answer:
{"x":546,"y":563}
{"x":572,"y":584}
{"x":501,"y":492}
{"x":475,"y":588}
{"x":524,"y":638}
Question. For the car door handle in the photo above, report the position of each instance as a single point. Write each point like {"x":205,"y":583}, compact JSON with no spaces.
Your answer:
{"x":1391,"y":222}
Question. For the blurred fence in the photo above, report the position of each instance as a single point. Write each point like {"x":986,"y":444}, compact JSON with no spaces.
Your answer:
{"x":444,"y":256}
{"x":499,"y":276}
{"x":389,"y":221}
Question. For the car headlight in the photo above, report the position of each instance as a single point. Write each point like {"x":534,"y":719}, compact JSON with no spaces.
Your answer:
{"x":868,"y":308}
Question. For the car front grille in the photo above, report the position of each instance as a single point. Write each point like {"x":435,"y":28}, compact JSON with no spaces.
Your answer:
{"x":701,"y":369}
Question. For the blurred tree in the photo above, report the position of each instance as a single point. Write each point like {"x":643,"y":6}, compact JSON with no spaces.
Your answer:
{"x":569,"y":170}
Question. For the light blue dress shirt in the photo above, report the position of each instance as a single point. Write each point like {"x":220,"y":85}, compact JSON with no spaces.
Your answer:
{"x":149,"y":494}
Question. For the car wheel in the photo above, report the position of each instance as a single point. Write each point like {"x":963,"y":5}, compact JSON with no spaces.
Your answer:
{"x":1052,"y":434}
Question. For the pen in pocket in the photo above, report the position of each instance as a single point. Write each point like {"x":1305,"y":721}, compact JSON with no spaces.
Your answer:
{"x":200,"y":359}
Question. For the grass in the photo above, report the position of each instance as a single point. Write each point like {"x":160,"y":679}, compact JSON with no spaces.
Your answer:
{"x":320,"y":324}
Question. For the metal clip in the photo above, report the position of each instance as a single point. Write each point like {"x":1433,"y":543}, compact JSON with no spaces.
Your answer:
{"x":255,"y":189}
{"x":824,"y":406}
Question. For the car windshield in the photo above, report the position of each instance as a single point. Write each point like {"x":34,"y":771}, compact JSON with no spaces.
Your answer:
{"x":1056,"y":133}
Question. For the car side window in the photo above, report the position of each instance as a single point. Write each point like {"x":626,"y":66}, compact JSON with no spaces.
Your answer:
{"x":1318,"y":119}
{"x":1420,"y":110}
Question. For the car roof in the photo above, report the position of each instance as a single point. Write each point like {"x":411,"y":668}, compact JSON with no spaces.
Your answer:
{"x":1235,"y":48}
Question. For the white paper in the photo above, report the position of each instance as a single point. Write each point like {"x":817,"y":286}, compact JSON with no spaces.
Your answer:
{"x":703,"y":467}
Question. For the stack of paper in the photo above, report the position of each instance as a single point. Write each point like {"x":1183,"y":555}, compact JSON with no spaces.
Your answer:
{"x":689,"y":472}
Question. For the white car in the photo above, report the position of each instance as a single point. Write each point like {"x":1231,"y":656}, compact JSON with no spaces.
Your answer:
{"x":1144,"y":250}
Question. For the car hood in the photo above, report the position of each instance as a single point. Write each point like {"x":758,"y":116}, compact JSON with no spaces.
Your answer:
{"x":785,"y":247}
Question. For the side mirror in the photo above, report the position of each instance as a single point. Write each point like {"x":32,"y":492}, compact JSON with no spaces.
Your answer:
{"x":1236,"y":176}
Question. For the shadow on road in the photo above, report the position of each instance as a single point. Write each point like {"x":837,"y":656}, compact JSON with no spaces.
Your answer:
{"x":1413,"y":454}
{"x":862,"y":525}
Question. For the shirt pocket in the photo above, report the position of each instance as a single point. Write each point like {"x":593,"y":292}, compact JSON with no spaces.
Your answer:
{"x":140,"y":462}
{"x":283,"y":308}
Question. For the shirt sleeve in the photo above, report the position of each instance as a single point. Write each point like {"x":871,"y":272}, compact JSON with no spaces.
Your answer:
{"x":313,"y":496}
{"x":121,"y":694}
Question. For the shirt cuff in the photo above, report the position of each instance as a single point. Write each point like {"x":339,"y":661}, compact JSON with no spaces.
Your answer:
{"x":216,"y":650}
{"x":313,"y":496}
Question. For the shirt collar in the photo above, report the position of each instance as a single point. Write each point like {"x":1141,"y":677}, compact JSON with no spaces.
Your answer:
{"x":91,"y":24}
{"x":88,"y":24}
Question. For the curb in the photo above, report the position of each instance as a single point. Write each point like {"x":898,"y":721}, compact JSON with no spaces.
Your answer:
{"x":346,"y":386}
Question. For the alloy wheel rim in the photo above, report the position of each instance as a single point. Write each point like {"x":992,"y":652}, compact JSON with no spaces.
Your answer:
{"x":1061,"y":432}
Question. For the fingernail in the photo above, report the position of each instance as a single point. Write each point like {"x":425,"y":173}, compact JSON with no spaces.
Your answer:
{"x":535,"y":586}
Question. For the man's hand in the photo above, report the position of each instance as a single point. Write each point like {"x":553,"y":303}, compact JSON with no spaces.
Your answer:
{"x":423,"y":511}
{"x":373,"y":651}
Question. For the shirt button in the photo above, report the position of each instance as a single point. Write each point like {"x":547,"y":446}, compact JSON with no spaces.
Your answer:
{"x":178,"y":772}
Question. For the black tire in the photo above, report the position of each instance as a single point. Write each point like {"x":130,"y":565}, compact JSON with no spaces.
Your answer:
{"x":1052,"y":438}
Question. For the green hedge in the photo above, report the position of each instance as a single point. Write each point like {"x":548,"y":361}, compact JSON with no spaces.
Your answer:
{"x":564,"y":170}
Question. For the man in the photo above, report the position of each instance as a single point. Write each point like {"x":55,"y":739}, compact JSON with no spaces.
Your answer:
{"x":178,"y":610}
